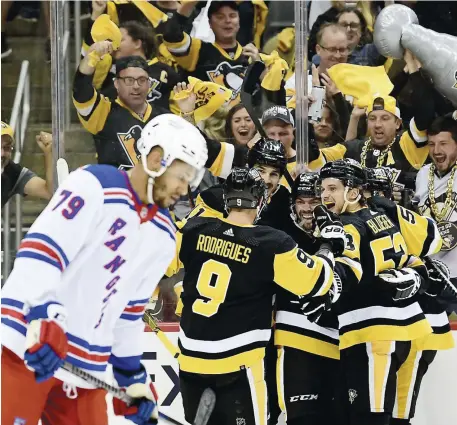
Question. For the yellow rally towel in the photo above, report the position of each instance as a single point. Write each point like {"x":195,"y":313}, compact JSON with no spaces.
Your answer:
{"x":286,"y":39}
{"x":361,"y":82}
{"x":260,"y":20}
{"x":291,"y":100}
{"x":210,"y":97}
{"x":154,"y":15}
{"x":276,"y":67}
{"x":105,"y":29}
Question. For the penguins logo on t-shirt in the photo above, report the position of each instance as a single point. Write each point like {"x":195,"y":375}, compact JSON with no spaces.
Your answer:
{"x":128,"y":142}
{"x":229,"y":76}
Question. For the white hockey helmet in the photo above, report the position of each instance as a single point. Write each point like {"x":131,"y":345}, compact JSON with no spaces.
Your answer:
{"x":179,"y":140}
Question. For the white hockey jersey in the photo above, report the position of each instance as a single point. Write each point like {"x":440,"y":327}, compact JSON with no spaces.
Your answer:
{"x":100,"y":253}
{"x":448,"y":253}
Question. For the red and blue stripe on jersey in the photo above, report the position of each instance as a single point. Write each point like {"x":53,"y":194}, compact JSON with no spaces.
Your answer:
{"x":13,"y":315}
{"x":39,"y":246}
{"x":85,"y":355}
{"x":134,"y":310}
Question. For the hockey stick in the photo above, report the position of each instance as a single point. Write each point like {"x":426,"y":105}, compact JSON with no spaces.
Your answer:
{"x":208,"y":398}
{"x":62,"y":170}
{"x":148,"y":318}
{"x":251,"y":83}
{"x":111,"y":389}
{"x":205,"y":407}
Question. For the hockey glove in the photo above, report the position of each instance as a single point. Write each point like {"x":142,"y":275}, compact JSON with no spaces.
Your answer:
{"x":138,"y":385}
{"x":314,"y":309}
{"x":441,"y":285}
{"x":407,"y":282}
{"x":331,"y":229}
{"x":46,"y":341}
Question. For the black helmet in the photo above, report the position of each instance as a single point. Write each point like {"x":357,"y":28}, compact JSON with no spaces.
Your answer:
{"x":305,"y":185}
{"x":349,"y":171}
{"x":245,"y":189}
{"x":380,"y":180}
{"x":268,"y":152}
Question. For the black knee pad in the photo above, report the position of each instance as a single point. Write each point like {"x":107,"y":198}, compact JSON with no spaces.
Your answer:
{"x":371,"y":419}
{"x":395,"y":421}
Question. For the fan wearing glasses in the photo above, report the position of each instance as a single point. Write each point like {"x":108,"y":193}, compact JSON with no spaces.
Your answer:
{"x":362,"y":51}
{"x":332,"y":46}
{"x":115,"y":124}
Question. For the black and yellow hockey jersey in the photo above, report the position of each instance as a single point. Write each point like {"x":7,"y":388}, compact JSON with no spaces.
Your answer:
{"x":422,"y":238}
{"x":231,"y":274}
{"x":408,"y":152}
{"x":367,"y":312}
{"x":115,"y":127}
{"x":292,"y":328}
{"x":206,"y":61}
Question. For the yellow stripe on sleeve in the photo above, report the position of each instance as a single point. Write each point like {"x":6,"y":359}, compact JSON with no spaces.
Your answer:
{"x":301,"y":274}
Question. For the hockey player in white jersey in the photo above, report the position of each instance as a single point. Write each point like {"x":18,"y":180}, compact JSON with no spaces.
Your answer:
{"x":82,"y":277}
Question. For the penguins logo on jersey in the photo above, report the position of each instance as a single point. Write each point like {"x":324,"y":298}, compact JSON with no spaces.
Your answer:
{"x":228,"y":76}
{"x":455,"y":76}
{"x":128,"y":142}
{"x":154,"y":94}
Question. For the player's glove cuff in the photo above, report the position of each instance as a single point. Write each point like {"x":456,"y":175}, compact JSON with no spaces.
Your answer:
{"x":46,"y":341}
{"x":138,"y":385}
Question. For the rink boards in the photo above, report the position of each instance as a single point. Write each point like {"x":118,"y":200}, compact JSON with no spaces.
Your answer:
{"x":437,"y":401}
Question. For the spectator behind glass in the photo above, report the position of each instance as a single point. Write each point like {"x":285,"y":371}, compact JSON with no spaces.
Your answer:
{"x":222,"y":62}
{"x":330,"y":16}
{"x":326,"y":131}
{"x":332,"y":46}
{"x":17,"y":179}
{"x":115,"y":124}
{"x":239,"y":128}
{"x":362,"y":51}
{"x":137,"y":40}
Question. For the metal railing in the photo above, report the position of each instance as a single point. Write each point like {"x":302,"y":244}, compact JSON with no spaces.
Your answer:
{"x":60,"y":53}
{"x":18,"y":122}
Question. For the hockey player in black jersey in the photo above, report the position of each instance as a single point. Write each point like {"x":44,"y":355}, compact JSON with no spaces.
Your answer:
{"x":377,"y":318}
{"x":307,"y":393}
{"x":268,"y":157}
{"x":232,"y":269}
{"x":423,"y":239}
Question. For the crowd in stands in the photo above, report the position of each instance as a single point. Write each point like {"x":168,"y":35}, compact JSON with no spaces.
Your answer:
{"x":142,"y":59}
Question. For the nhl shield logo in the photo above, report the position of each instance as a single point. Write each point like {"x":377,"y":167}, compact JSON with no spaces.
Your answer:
{"x":229,"y":76}
{"x":352,"y":395}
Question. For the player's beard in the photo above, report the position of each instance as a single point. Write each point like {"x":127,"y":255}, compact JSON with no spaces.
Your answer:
{"x":306,"y":220}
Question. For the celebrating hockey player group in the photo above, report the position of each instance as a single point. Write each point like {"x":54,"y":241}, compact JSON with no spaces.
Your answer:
{"x":358,"y":307}
{"x":309,"y":295}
